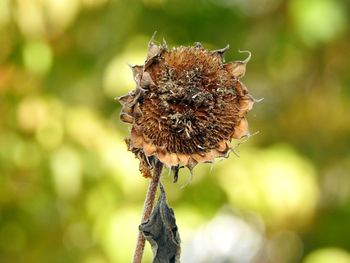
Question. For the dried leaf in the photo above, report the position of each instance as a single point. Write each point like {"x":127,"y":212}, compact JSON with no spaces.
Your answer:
{"x":161,"y":232}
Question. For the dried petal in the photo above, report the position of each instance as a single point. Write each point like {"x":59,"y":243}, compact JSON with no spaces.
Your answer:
{"x":137,"y":72}
{"x":146,"y":80}
{"x":246,"y":104}
{"x":126,"y":118}
{"x":222,"y":146}
{"x":149,"y":148}
{"x":136,"y":139}
{"x":200,"y":158}
{"x":241,"y":129}
{"x":125,"y":99}
{"x":173,"y":160}
{"x":191,"y":164}
{"x":238,"y":68}
{"x":183,"y":158}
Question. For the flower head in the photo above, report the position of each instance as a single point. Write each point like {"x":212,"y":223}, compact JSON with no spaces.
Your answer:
{"x":187,"y":106}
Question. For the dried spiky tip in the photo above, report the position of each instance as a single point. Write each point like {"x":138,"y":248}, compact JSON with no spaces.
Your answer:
{"x":187,"y":106}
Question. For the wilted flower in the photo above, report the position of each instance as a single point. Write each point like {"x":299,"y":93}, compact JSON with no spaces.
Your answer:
{"x":187,"y":106}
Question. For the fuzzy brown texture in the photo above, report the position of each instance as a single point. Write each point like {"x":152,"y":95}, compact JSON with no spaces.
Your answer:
{"x":187,"y":106}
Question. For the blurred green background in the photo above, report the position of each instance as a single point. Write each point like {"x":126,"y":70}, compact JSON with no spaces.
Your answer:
{"x":70,"y":191}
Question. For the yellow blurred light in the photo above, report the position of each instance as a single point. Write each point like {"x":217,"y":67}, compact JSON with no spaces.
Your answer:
{"x":275,"y":182}
{"x":5,"y":13}
{"x":32,"y":113}
{"x":50,"y":135}
{"x":26,"y":155}
{"x":120,"y":233}
{"x":123,"y":166}
{"x":30,"y":18}
{"x":37,"y":56}
{"x":118,"y":77}
{"x":318,"y":20}
{"x":35,"y":17}
{"x":61,"y":13}
{"x":101,"y":200}
{"x":66,"y":169}
{"x":327,"y":255}
{"x":84,"y":127}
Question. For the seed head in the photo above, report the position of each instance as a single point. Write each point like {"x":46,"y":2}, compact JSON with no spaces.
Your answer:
{"x":187,"y":106}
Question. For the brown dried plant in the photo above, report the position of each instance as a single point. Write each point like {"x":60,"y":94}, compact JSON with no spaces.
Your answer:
{"x":187,"y":106}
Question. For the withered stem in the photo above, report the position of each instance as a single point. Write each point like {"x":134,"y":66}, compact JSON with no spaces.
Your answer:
{"x":147,"y":209}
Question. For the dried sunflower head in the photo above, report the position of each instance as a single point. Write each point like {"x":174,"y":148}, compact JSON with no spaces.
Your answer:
{"x":187,"y":106}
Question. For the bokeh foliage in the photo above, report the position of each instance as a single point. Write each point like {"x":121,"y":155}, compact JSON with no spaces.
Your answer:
{"x":69,"y":190}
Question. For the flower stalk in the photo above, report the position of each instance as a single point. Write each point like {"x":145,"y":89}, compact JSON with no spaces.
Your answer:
{"x":147,"y":209}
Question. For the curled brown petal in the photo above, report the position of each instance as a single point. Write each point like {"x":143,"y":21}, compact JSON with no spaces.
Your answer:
{"x":241,"y":129}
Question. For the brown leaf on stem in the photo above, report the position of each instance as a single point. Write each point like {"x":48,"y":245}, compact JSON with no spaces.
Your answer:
{"x":161,"y":231}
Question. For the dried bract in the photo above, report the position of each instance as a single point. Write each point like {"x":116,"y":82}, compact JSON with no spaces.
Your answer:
{"x":187,"y":106}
